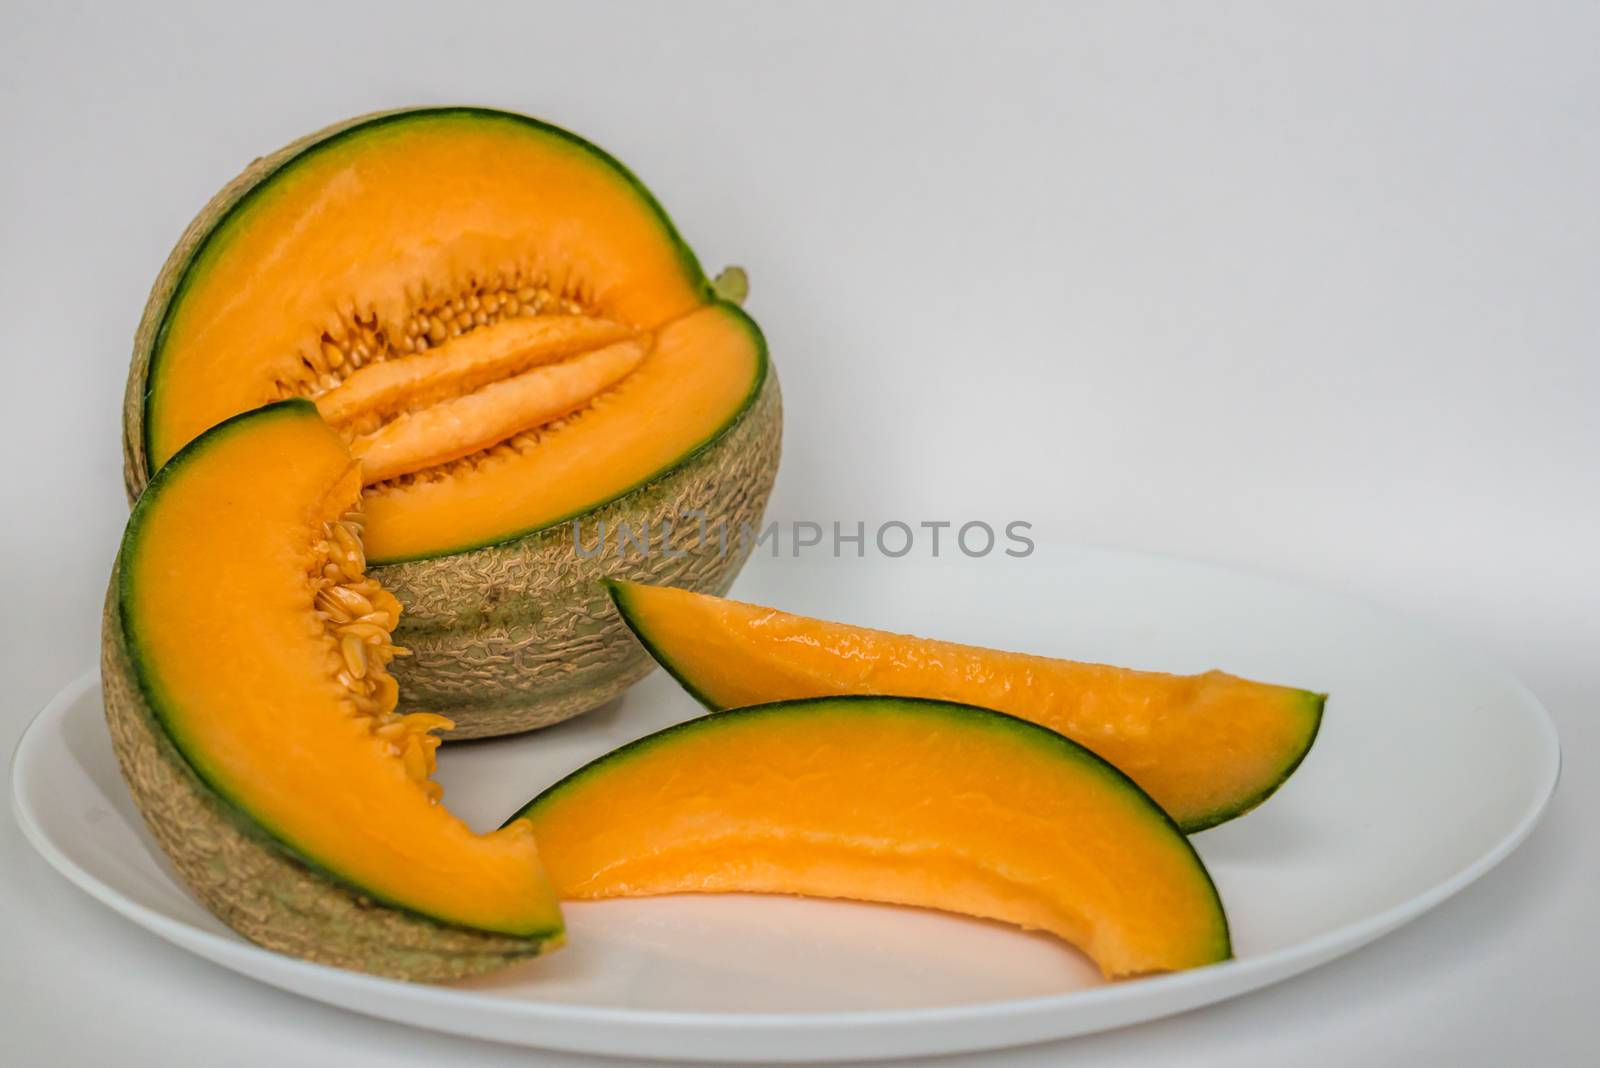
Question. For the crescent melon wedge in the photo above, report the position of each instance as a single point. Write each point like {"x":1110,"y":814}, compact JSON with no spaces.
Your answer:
{"x":1208,"y":748}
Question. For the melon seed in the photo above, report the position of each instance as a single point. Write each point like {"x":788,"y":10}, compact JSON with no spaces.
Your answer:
{"x":355,"y":655}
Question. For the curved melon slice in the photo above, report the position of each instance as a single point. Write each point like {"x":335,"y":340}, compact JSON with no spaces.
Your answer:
{"x":894,"y":800}
{"x":247,"y":692}
{"x":1207,"y":747}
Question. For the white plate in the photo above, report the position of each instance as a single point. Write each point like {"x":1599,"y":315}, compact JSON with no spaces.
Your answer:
{"x":1430,"y":768}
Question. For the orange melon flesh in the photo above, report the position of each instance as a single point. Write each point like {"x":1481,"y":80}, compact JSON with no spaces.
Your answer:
{"x":890,"y":800}
{"x":359,"y":221}
{"x":1206,"y":747}
{"x":464,"y":364}
{"x":701,"y":367}
{"x":218,"y":613}
{"x":462,"y":426}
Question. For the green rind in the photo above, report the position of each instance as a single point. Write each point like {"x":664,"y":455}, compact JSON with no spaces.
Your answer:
{"x":248,"y":875}
{"x":966,"y":716}
{"x":257,"y":181}
{"x":520,"y":635}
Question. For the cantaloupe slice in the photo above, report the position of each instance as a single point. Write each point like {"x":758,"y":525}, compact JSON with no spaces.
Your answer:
{"x":244,"y":665}
{"x":894,"y":800}
{"x":1207,"y":747}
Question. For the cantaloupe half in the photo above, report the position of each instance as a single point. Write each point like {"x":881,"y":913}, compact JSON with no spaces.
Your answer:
{"x":1207,"y":747}
{"x":911,"y":802}
{"x":244,"y":670}
{"x":505,"y":327}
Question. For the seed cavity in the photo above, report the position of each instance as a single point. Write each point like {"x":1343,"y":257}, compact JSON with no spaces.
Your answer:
{"x":500,"y":410}
{"x":357,"y":617}
{"x":381,"y":391}
{"x":366,"y":371}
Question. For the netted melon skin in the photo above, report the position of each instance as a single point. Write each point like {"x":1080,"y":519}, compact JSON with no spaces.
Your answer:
{"x":522,"y":635}
{"x":250,"y":881}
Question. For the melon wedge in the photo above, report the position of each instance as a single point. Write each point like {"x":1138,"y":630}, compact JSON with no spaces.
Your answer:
{"x":1208,"y":748}
{"x":244,"y":661}
{"x":894,"y":800}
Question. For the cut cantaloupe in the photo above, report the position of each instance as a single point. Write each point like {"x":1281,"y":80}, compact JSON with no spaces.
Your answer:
{"x":892,"y":800}
{"x":508,"y":331}
{"x":687,"y":377}
{"x":426,"y":276}
{"x":1207,"y":747}
{"x":245,"y":682}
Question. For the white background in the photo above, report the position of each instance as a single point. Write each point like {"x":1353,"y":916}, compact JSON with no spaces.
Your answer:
{"x":1308,"y":289}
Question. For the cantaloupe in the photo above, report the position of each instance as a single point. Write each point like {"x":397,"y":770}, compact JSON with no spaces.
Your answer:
{"x":903,"y":801}
{"x":1207,"y":747}
{"x":505,"y":327}
{"x":244,"y":664}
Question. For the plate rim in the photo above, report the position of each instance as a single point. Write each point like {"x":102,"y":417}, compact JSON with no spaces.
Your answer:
{"x":240,"y":955}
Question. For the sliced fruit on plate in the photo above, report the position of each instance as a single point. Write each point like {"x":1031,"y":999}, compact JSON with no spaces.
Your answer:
{"x":244,"y":663}
{"x":1207,"y":747}
{"x":894,"y":800}
{"x":505,"y":326}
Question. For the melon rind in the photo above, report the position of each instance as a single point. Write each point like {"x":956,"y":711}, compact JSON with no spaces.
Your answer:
{"x":250,"y":880}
